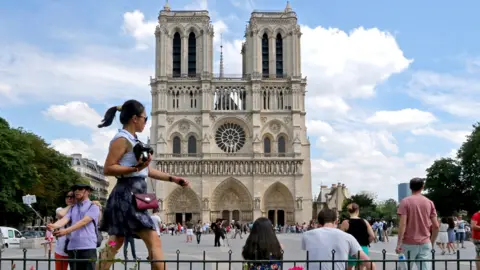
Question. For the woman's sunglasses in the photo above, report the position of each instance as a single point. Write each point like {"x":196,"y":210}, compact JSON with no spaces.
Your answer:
{"x":69,"y":197}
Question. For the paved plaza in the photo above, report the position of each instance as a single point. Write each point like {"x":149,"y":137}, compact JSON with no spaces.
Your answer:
{"x":195,"y":252}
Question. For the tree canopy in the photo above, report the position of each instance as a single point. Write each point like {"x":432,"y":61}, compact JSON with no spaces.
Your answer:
{"x":28,"y":165}
{"x":454,"y":184}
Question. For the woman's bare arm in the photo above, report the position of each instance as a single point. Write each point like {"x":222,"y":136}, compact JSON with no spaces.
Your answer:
{"x":112,"y":167}
{"x":371,"y":235}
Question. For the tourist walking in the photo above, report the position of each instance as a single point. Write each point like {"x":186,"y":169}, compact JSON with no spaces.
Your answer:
{"x":217,"y":231}
{"x":128,"y":161}
{"x":82,"y":220}
{"x":48,"y":244}
{"x":417,"y":217}
{"x":460,"y":228}
{"x":198,"y":230}
{"x":262,"y":244}
{"x":157,"y":221}
{"x":475,"y":226}
{"x":442,"y":238}
{"x":451,"y":235}
{"x":189,"y":226}
{"x":129,"y":240}
{"x":321,"y":241}
{"x":360,"y":229}
{"x":60,"y":253}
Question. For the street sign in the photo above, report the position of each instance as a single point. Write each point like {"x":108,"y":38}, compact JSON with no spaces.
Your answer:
{"x":29,"y":199}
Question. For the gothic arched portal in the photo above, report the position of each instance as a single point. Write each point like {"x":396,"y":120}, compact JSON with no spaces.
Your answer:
{"x":278,"y":204}
{"x":183,"y":204}
{"x":233,"y":198}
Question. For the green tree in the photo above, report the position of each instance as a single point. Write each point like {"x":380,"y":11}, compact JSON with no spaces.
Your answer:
{"x":387,"y":209}
{"x":445,"y":186}
{"x":28,"y":165}
{"x":469,"y":158}
{"x":365,"y":201}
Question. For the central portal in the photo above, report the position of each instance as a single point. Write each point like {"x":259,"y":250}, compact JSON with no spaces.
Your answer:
{"x":183,"y":217}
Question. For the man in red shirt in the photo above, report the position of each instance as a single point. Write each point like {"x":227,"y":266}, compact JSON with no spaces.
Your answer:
{"x":475,"y":224}
{"x":417,"y":217}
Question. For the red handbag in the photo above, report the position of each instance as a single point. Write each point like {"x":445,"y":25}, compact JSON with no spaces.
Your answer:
{"x":145,"y":201}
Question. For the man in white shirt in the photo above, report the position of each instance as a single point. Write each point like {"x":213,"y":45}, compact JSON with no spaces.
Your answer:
{"x":321,"y":241}
{"x":157,"y":221}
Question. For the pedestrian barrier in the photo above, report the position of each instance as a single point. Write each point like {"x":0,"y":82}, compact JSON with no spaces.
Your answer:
{"x":23,"y":262}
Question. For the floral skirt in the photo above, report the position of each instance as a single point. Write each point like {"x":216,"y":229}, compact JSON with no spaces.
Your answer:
{"x":121,"y":218}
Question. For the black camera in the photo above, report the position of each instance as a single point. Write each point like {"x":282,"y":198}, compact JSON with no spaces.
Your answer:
{"x":142,"y":151}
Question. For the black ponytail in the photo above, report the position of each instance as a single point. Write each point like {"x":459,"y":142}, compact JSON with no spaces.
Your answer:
{"x":129,"y":109}
{"x":109,"y":116}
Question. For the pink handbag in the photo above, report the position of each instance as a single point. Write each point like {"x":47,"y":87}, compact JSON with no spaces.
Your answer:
{"x":145,"y":201}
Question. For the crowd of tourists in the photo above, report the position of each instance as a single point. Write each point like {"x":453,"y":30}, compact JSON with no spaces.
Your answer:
{"x":130,"y":213}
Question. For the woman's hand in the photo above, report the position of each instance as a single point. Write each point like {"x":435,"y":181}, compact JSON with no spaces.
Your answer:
{"x":142,"y":165}
{"x":180,"y":181}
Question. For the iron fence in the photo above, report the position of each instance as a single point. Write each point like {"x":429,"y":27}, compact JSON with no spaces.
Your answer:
{"x":23,"y":262}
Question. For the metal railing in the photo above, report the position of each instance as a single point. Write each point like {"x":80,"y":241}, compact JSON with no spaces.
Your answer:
{"x":23,"y":262}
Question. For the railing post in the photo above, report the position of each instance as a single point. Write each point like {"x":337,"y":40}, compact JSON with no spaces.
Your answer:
{"x":24,"y":259}
{"x":458,"y":259}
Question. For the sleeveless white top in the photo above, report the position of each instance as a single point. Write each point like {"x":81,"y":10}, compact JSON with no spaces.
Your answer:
{"x":129,"y":159}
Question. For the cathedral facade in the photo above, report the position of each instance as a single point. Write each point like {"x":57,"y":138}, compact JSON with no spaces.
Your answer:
{"x":241,"y":140}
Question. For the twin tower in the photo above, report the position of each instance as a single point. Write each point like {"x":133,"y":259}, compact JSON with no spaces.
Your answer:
{"x":184,"y":45}
{"x":240,"y":140}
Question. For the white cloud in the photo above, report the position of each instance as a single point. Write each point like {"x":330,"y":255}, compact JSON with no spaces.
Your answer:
{"x":81,"y":114}
{"x":143,"y":31}
{"x":91,"y":74}
{"x":456,"y":136}
{"x":406,"y":118}
{"x":440,"y":90}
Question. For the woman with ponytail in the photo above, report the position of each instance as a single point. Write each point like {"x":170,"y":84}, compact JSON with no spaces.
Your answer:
{"x":121,"y":219}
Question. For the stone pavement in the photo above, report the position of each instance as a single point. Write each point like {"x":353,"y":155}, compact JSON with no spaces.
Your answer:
{"x":195,"y":252}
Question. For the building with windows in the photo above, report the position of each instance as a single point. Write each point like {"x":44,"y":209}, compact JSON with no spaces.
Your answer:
{"x":241,"y":139}
{"x":332,"y":197}
{"x":94,"y":173}
{"x":403,"y":191}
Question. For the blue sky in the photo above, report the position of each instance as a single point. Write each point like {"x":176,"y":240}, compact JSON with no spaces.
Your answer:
{"x":391,"y":86}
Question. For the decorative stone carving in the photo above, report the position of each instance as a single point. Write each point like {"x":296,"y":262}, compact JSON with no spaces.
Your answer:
{"x":205,"y":138}
{"x":257,"y":203}
{"x":206,"y":205}
{"x":213,"y":118}
{"x":248,"y":117}
{"x":299,"y":202}
{"x":275,"y":128}
{"x":287,"y":119}
{"x":170,"y":120}
{"x":231,"y":167}
{"x":160,"y":138}
{"x":264,"y":119}
{"x":198,"y":120}
{"x":184,"y":127}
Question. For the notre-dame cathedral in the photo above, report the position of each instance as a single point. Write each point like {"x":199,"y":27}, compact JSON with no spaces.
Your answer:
{"x":240,"y":140}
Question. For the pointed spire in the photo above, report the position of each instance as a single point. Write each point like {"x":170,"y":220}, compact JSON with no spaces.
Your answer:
{"x":221,"y":55}
{"x":166,"y":7}
{"x":288,"y":8}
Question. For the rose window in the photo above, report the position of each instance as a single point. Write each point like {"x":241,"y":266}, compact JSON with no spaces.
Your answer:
{"x":230,"y":137}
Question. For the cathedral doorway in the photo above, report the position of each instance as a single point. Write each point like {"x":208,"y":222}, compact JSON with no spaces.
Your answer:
{"x":231,"y":200}
{"x":278,"y":204}
{"x":226,"y":215}
{"x":236,"y":215}
{"x":183,"y":204}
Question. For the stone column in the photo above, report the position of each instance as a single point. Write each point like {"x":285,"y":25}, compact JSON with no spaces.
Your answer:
{"x":275,"y":217}
{"x":183,"y":218}
{"x":271,"y":57}
{"x":184,"y":65}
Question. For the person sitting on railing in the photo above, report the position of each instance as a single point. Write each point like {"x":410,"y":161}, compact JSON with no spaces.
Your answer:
{"x":262,"y":244}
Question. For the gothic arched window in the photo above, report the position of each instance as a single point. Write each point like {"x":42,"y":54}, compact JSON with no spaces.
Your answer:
{"x":192,"y":145}
{"x":267,"y":146}
{"x":192,"y":55}
{"x":176,"y":146}
{"x":279,"y":55}
{"x":265,"y":50}
{"x":177,"y":55}
{"x":281,"y":146}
